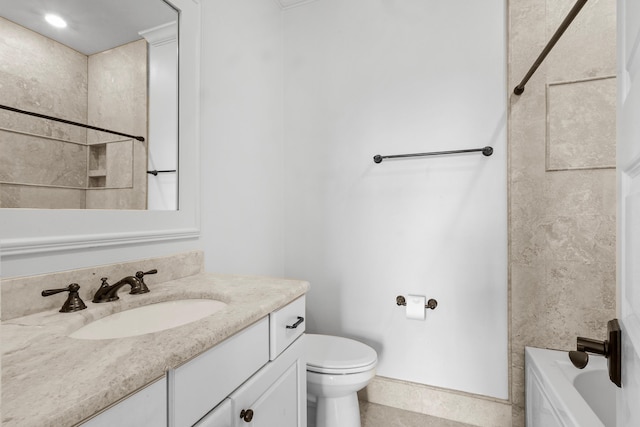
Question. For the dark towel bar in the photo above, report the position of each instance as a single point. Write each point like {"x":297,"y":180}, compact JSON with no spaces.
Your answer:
{"x":487,"y":151}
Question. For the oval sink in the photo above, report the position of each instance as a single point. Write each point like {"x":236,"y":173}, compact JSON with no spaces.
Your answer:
{"x":149,"y":318}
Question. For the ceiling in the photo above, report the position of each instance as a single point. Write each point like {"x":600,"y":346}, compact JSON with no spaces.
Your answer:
{"x":93,"y":25}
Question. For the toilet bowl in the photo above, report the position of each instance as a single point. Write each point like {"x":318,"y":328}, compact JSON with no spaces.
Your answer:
{"x":337,"y":368}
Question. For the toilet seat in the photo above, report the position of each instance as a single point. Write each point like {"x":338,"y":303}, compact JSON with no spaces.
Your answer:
{"x":328,"y":354}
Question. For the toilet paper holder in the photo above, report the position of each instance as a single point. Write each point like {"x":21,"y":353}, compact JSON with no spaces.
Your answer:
{"x":432,"y":304}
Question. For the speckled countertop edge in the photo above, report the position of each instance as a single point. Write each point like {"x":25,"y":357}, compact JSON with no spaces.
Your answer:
{"x":49,"y":379}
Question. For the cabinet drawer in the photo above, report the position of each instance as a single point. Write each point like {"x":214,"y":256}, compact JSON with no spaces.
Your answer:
{"x":202,"y":383}
{"x":285,"y":325}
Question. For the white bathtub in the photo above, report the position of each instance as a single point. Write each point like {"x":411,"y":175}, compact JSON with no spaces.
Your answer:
{"x":559,"y":394}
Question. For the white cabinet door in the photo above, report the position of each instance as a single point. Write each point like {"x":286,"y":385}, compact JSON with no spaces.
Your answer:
{"x":276,"y":395}
{"x":147,"y":407}
{"x":219,"y":417}
{"x":202,"y":383}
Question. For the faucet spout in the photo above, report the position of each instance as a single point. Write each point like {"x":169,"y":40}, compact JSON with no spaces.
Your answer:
{"x":611,"y":349}
{"x":108,"y":292}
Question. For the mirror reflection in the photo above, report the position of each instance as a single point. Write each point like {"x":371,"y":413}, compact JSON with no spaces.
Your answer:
{"x":110,"y":64}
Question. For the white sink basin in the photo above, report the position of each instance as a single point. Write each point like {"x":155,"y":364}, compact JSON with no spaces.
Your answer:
{"x":149,"y":318}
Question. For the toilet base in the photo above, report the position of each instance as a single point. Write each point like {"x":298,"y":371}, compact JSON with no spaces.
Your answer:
{"x":337,"y":411}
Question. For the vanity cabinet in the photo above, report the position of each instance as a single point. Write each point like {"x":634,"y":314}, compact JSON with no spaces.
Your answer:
{"x":256,"y":378}
{"x":146,"y":407}
{"x":260,"y":370}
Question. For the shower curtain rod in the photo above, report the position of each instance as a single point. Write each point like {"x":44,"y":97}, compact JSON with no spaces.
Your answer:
{"x":156,"y":172}
{"x":69,"y":122}
{"x":487,"y":151}
{"x":554,"y":39}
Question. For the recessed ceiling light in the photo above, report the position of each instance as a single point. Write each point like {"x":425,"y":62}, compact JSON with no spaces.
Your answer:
{"x":55,"y":20}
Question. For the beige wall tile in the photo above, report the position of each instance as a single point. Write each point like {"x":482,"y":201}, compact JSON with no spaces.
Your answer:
{"x":581,"y":124}
{"x":107,"y":90}
{"x":588,"y":47}
{"x":21,"y":196}
{"x":118,"y":101}
{"x":562,"y":223}
{"x":441,"y":403}
{"x":43,"y":76}
{"x":46,"y":77}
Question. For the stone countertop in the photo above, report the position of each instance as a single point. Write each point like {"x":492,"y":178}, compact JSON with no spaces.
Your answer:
{"x":49,"y":379}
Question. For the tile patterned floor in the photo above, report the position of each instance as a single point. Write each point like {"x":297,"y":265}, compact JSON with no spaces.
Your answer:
{"x":373,"y":415}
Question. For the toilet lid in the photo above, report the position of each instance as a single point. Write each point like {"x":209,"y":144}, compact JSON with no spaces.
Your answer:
{"x":337,"y":355}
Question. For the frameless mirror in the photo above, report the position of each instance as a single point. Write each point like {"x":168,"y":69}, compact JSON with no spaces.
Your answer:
{"x":109,"y":64}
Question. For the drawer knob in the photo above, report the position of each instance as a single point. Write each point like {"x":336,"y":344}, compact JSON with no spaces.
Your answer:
{"x":246,"y":415}
{"x":295,"y":325}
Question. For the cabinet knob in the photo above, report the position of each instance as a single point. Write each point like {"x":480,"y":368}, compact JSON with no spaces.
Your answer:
{"x":246,"y":415}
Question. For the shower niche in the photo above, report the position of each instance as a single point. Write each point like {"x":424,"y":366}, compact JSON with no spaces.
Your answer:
{"x":97,"y":171}
{"x":110,"y":165}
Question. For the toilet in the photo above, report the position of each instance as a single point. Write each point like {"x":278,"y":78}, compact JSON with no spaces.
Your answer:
{"x":337,"y":368}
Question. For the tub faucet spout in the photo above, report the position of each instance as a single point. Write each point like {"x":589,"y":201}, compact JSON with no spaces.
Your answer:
{"x":611,"y":349}
{"x":580,"y":358}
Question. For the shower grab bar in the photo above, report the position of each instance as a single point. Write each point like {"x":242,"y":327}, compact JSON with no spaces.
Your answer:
{"x":487,"y":151}
{"x":68,"y":122}
{"x":554,"y":39}
{"x":155,"y":172}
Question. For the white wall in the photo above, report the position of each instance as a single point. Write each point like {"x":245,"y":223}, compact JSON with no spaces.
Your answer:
{"x":162,"y":189}
{"x":369,"y":77}
{"x":241,"y":145}
{"x":361,"y":78}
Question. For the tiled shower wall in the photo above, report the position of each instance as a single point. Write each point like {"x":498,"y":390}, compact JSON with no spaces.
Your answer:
{"x":117,"y":93}
{"x":107,"y":89}
{"x":562,"y":180}
{"x":45,"y":77}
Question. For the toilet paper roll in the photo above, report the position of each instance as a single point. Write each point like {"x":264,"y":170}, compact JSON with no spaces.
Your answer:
{"x":415,"y":307}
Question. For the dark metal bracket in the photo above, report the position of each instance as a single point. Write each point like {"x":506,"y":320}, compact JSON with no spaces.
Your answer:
{"x":486,"y":151}
{"x":431,"y":304}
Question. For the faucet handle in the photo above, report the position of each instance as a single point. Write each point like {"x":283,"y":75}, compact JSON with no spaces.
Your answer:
{"x":73,"y":302}
{"x":140,"y":276}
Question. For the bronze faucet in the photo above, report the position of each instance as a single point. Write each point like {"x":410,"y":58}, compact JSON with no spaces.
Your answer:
{"x":73,"y":302}
{"x":107,"y":292}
